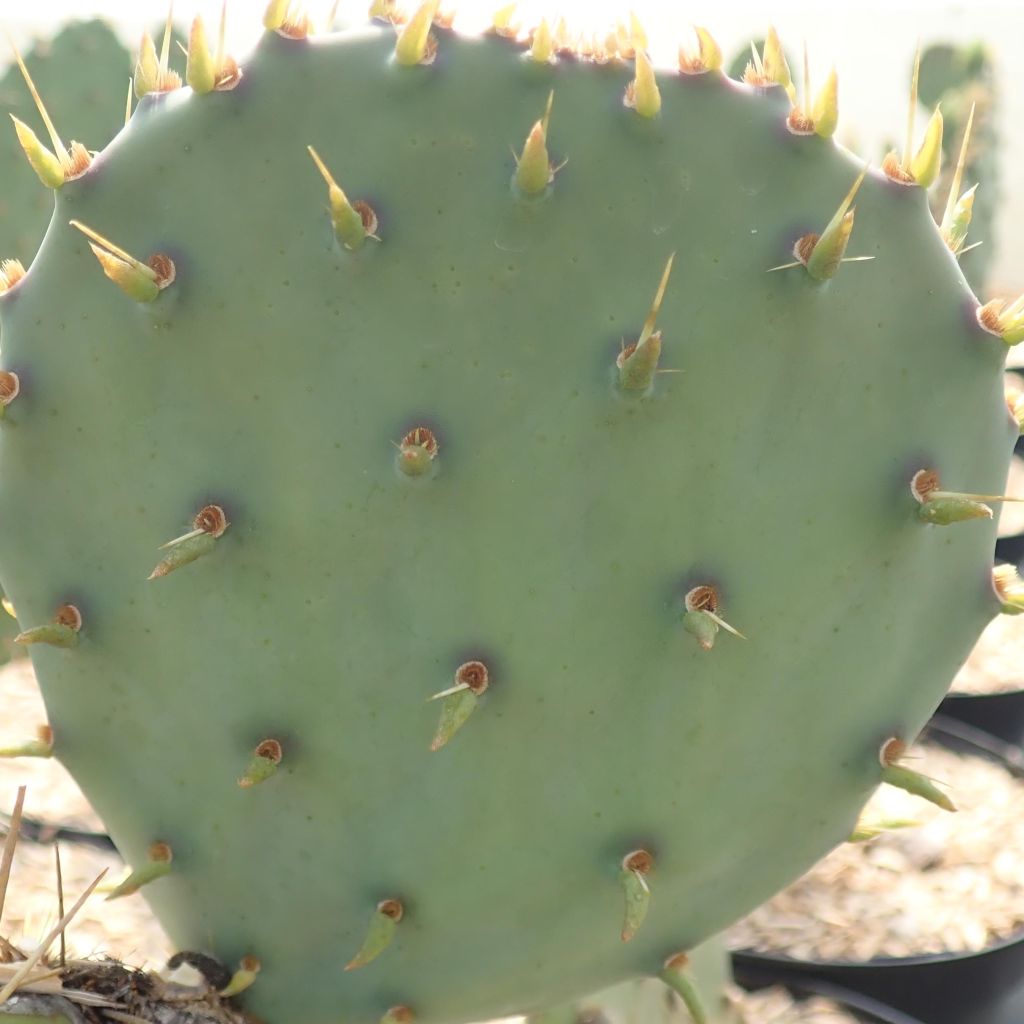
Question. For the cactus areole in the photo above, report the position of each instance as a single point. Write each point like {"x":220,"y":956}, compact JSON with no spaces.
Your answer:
{"x":307,"y":443}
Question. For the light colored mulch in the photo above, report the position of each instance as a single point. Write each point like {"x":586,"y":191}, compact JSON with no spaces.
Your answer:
{"x":954,"y":883}
{"x":123,"y":928}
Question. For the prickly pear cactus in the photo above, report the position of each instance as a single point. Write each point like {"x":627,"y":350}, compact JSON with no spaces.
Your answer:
{"x":654,"y":450}
{"x":82,"y":72}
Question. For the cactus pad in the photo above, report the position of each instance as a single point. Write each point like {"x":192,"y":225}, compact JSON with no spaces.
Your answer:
{"x":401,"y":458}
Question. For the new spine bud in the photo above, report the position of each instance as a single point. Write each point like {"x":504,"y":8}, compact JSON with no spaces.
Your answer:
{"x":890,"y":754}
{"x":52,"y":167}
{"x":287,"y":18}
{"x":460,"y":701}
{"x":865,"y":831}
{"x":822,"y":254}
{"x":956,"y":218}
{"x":1004,"y":321}
{"x":353,"y":222}
{"x":1009,"y":588}
{"x":642,"y":93}
{"x":417,"y":451}
{"x":504,"y":21}
{"x":637,"y":363}
{"x":416,"y":44}
{"x":635,"y":868}
{"x":675,"y":973}
{"x":920,"y":168}
{"x":248,"y":968}
{"x":152,"y":73}
{"x":701,"y":617}
{"x":63,"y":631}
{"x":158,"y":865}
{"x":534,"y":170}
{"x":820,"y":117}
{"x":707,"y":58}
{"x":942,"y":508}
{"x":41,"y":746}
{"x":208,"y":527}
{"x":142,"y":282}
{"x":265,"y":759}
{"x":770,"y":67}
{"x":398,"y":1015}
{"x":1015,"y":405}
{"x":10,"y":388}
{"x":380,"y":933}
{"x":542,"y":46}
{"x":11,"y":272}
{"x":208,"y":70}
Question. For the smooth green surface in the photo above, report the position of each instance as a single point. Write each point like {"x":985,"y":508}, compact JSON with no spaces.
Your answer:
{"x":554,"y":541}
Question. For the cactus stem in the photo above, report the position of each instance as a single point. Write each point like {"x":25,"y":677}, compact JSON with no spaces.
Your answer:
{"x":675,"y":974}
{"x":353,"y":222}
{"x":534,"y":170}
{"x":63,"y":631}
{"x":1009,"y":588}
{"x":248,"y":968}
{"x":416,"y":44}
{"x":642,"y":93}
{"x":636,"y":866}
{"x":417,"y":451}
{"x":208,"y":526}
{"x":945,"y":507}
{"x":707,"y":58}
{"x":140,"y":281}
{"x":472,"y":679}
{"x":10,"y":387}
{"x":701,"y":617}
{"x":265,"y":759}
{"x":380,"y":934}
{"x":398,"y":1015}
{"x":899,"y":775}
{"x":637,"y":363}
{"x":41,"y":746}
{"x":158,"y":865}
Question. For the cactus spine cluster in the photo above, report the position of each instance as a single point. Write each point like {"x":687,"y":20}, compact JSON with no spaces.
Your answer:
{"x":466,"y":572}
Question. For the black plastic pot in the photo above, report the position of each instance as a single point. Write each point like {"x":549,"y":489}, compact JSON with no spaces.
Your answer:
{"x":1010,"y":549}
{"x":936,"y":988}
{"x":999,"y":714}
{"x":756,"y":976}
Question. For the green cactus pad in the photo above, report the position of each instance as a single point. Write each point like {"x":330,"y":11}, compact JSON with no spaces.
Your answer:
{"x":553,"y":540}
